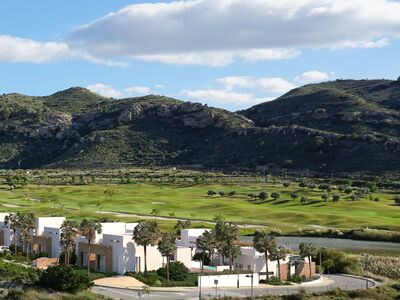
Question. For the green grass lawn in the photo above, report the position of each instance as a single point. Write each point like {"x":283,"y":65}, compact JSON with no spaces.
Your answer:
{"x":192,"y":202}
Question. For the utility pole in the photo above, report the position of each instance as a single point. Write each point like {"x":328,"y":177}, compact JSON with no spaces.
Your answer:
{"x":251,"y":290}
{"x":320,"y":260}
{"x":366,"y":269}
{"x":201,"y":273}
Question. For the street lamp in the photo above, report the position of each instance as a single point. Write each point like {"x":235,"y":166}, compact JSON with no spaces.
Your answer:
{"x":199,"y":276}
{"x":251,"y":290}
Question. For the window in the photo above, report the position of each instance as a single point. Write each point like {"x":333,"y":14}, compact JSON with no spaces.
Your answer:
{"x":42,"y":249}
{"x":101,"y":263}
{"x":84,"y":259}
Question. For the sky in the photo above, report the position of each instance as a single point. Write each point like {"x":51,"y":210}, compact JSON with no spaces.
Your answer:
{"x":231,"y":54}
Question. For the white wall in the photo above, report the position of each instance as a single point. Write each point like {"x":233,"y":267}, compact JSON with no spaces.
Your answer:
{"x":123,"y":254}
{"x":229,"y":280}
{"x":189,"y":237}
{"x":184,"y":255}
{"x":6,"y":229}
{"x":55,"y":235}
{"x":256,"y":260}
{"x":51,"y":222}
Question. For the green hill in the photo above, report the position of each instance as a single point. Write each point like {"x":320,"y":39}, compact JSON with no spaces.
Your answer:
{"x":336,"y":126}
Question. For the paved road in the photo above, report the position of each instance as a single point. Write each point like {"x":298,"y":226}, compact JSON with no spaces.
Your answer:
{"x":342,"y":281}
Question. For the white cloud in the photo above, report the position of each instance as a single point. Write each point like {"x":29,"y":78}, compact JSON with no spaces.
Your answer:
{"x":104,"y":90}
{"x":268,"y":54}
{"x":137,"y":90}
{"x":275,"y":85}
{"x":219,"y":97}
{"x":13,"y":49}
{"x":314,"y":77}
{"x":232,"y":82}
{"x":110,"y":92}
{"x":17,"y":50}
{"x":267,"y":84}
{"x":209,"y":32}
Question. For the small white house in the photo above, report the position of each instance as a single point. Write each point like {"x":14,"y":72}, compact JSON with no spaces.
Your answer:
{"x":46,"y":237}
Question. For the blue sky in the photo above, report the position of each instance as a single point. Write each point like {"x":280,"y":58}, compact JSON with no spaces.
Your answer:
{"x":226,"y":53}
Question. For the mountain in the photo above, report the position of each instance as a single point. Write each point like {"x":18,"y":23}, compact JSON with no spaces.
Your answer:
{"x":340,"y":126}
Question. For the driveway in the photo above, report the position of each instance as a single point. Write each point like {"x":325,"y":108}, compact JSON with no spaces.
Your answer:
{"x":344,"y":282}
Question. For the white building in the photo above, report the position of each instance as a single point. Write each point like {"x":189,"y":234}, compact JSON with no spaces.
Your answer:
{"x":6,"y":234}
{"x":46,"y":238}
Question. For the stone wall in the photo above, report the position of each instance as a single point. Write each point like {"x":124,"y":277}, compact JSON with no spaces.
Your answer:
{"x":1,"y":237}
{"x":303,"y":269}
{"x":96,"y":249}
{"x":37,"y":241}
{"x":45,"y":262}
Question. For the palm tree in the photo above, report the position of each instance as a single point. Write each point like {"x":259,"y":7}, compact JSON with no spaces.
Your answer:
{"x":207,"y":243}
{"x":146,"y":233}
{"x":28,"y":223}
{"x":308,"y":250}
{"x":167,"y":247}
{"x":230,"y":236}
{"x":155,"y":212}
{"x":182,"y":225}
{"x":264,"y":243}
{"x":278,"y":254}
{"x":14,"y":220}
{"x":88,"y":229}
{"x":69,"y":231}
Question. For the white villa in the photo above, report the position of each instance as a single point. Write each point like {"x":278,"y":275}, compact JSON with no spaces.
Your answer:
{"x":114,"y":250}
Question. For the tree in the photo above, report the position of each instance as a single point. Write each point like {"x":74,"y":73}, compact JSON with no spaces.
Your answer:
{"x":231,"y":193}
{"x":336,"y":198}
{"x":312,"y":186}
{"x":286,"y":184}
{"x":308,"y":250}
{"x":182,"y":225}
{"x":304,"y":199}
{"x":211,"y":193}
{"x":275,"y":196}
{"x":27,"y":224}
{"x":14,"y":221}
{"x":88,"y":229}
{"x":294,"y":195}
{"x":397,"y":200}
{"x":348,"y":190}
{"x":252,"y":196}
{"x":109,"y":193}
{"x":278,"y":254}
{"x":155,"y":212}
{"x":263,"y":196}
{"x":207,"y":243}
{"x":69,"y":231}
{"x":327,"y":265}
{"x":226,"y":235}
{"x":264,"y":243}
{"x":146,"y":233}
{"x":229,"y":237}
{"x":325,"y":197}
{"x":167,"y":247}
{"x":221,"y":193}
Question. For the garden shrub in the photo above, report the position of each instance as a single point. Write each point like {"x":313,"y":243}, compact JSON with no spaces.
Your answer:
{"x":65,"y":279}
{"x":177,"y":271}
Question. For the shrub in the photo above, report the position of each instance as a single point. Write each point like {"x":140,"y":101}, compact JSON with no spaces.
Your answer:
{"x":177,"y":271}
{"x":65,"y":279}
{"x":339,"y":262}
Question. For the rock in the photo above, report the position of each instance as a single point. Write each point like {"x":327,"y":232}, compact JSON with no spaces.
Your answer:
{"x":125,"y":117}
